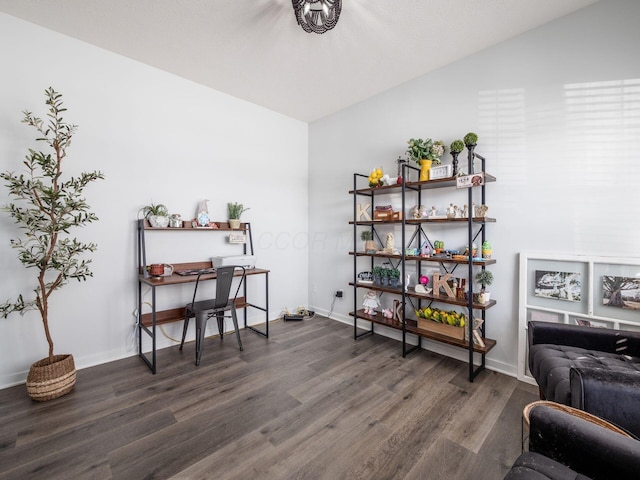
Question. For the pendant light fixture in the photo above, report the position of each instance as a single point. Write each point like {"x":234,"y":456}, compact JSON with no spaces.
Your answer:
{"x":317,"y":16}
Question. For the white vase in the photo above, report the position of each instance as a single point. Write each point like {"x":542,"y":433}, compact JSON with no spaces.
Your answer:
{"x":159,"y":221}
{"x":234,"y":223}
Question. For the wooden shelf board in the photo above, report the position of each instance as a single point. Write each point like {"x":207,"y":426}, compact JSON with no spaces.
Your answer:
{"x":417,"y":221}
{"x":428,"y":184}
{"x":186,"y":226}
{"x":412,"y":327}
{"x":489,"y":261}
{"x":429,"y":297}
{"x":176,"y":314}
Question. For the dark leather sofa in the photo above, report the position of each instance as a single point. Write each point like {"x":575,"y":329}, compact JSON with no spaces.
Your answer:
{"x":566,"y":447}
{"x":596,"y":370}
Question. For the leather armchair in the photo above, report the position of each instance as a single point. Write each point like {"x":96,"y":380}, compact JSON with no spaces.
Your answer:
{"x":564,"y":446}
{"x":593,"y":369}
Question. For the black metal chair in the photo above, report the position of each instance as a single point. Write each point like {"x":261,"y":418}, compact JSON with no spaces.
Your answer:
{"x":203,"y":310}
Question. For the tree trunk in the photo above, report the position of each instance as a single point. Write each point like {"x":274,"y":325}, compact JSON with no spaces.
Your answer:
{"x":615,"y":300}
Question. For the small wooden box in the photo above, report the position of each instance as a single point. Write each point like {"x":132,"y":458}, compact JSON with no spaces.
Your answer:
{"x":441,"y":328}
{"x":382,"y":214}
{"x":386,"y":215}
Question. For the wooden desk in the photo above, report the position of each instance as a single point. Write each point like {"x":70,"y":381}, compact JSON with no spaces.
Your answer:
{"x":148,"y":322}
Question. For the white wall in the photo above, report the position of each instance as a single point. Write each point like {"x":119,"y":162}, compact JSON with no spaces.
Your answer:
{"x":557,"y":111}
{"x":157,"y":138}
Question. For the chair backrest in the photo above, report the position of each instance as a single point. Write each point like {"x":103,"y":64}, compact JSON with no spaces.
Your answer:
{"x":223,"y":285}
{"x":224,"y":280}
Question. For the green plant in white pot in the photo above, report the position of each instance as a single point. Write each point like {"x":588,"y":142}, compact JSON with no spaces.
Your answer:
{"x":157,"y":214}
{"x":484,"y":277}
{"x":46,"y":206}
{"x":234,"y":212}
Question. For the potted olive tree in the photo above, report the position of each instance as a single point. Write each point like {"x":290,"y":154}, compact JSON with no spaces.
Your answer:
{"x":46,"y":206}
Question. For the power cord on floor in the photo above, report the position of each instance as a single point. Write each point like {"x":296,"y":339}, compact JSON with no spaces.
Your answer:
{"x":300,"y":313}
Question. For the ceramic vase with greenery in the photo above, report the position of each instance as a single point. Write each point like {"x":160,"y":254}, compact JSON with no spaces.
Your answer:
{"x":425,"y":153}
{"x":369,"y":244}
{"x":46,"y":206}
{"x":234,"y":212}
{"x":156,"y":214}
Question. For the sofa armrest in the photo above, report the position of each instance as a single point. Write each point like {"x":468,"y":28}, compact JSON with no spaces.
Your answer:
{"x":600,"y":339}
{"x":611,"y":395}
{"x":584,"y":447}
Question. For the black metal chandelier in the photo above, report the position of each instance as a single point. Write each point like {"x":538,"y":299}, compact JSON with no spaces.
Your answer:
{"x":317,"y":16}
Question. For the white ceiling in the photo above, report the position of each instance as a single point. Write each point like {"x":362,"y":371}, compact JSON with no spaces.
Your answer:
{"x":255,"y":50}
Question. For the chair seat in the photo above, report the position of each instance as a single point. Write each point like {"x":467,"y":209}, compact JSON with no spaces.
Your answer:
{"x":207,"y":305}
{"x":533,"y":466}
{"x":552,"y":364}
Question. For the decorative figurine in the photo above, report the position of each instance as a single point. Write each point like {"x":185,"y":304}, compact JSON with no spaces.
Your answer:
{"x":418,"y":212}
{"x":371,"y":302}
{"x":481,"y":211}
{"x":387,"y":313}
{"x":202,"y":216}
{"x":434,"y":212}
{"x":390,"y":245}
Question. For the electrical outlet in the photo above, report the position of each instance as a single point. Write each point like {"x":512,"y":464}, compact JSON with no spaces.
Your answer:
{"x":339,"y":293}
{"x":314,"y":288}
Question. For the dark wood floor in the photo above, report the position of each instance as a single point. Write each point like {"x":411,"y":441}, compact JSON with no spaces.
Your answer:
{"x":308,"y":403}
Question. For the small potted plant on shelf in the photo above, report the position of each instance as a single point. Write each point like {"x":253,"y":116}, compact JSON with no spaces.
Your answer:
{"x":438,"y":246}
{"x":156,"y":214}
{"x":471,"y":139}
{"x":377,"y":274}
{"x":369,"y":244}
{"x":486,"y":249}
{"x":384,"y":273}
{"x":484,"y":277}
{"x":394,"y":277}
{"x":421,"y":151}
{"x":234,"y":211}
{"x":455,"y":148}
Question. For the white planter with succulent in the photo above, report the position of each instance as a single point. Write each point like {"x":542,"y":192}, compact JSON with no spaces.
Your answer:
{"x":157,"y":214}
{"x":46,"y":206}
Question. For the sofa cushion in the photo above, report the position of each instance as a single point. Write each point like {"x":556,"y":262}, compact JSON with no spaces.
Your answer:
{"x":551,"y":365}
{"x":533,"y":466}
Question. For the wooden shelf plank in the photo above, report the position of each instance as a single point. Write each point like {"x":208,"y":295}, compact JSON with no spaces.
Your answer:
{"x":489,"y":261}
{"x":429,"y":297}
{"x":414,"y":221}
{"x":186,"y":226}
{"x":176,"y":314}
{"x":412,"y":327}
{"x":426,"y":185}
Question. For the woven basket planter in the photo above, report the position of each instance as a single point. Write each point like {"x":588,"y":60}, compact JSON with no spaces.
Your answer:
{"x":47,"y":381}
